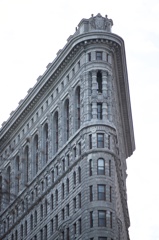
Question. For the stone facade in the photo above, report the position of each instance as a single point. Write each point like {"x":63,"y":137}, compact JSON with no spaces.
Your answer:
{"x":63,"y":150}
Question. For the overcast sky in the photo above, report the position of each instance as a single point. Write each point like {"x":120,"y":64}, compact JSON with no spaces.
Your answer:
{"x":32,"y":32}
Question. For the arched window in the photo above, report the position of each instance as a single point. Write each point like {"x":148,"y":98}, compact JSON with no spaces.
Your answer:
{"x":36,"y":154}
{"x":17,"y":175}
{"x":101,"y":166}
{"x":66,"y":119}
{"x":99,"y":82}
{"x":46,"y":143}
{"x":56,"y":132}
{"x":26,"y":165}
{"x":77,"y":108}
{"x":8,"y":185}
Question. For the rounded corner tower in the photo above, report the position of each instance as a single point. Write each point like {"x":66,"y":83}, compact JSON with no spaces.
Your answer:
{"x":64,"y":149}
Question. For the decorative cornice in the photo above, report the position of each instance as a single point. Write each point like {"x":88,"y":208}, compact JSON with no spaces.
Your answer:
{"x":116,"y":44}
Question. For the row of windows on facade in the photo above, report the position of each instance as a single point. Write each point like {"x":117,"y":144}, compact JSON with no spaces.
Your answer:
{"x":56,"y":126}
{"x":100,"y":141}
{"x":18,"y":177}
{"x":54,"y":175}
{"x":103,"y":218}
{"x":66,"y":117}
{"x":66,"y":125}
{"x":65,"y":212}
{"x":99,"y":55}
{"x":101,"y":189}
{"x":100,"y":144}
{"x":53,"y":202}
{"x":65,"y":190}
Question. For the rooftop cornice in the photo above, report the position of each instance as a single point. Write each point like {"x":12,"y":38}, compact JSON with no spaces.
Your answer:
{"x":74,"y":44}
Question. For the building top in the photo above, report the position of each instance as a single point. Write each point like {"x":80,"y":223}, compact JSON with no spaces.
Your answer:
{"x":101,"y":26}
{"x":95,"y":24}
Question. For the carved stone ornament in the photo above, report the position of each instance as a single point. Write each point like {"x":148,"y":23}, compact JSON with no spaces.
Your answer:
{"x":101,"y":23}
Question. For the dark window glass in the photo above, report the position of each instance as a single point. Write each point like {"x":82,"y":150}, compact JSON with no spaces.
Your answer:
{"x":98,"y":55}
{"x":99,"y":110}
{"x":110,"y":193}
{"x":79,"y":200}
{"x":90,"y":167}
{"x":91,"y":219}
{"x":101,"y":192}
{"x":109,"y":168}
{"x":90,"y":141}
{"x":91,"y":193}
{"x":99,"y":82}
{"x":100,"y":140}
{"x":101,"y":167}
{"x":67,"y":234}
{"x":89,"y":57}
{"x":80,"y":226}
{"x":101,"y":218}
{"x":79,"y":175}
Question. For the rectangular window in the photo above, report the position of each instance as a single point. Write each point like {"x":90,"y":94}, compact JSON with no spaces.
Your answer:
{"x":111,"y":220}
{"x":73,"y":72}
{"x":68,"y":209}
{"x":108,"y":58}
{"x":91,"y":193}
{"x":89,"y":57}
{"x":90,"y":167}
{"x":91,"y":219}
{"x":110,"y":193}
{"x":45,"y":232}
{"x":74,"y":228}
{"x":79,"y":149}
{"x":101,"y":218}
{"x":80,"y":226}
{"x":102,"y":238}
{"x":74,"y":204}
{"x":109,"y":168}
{"x":53,"y":176}
{"x":51,"y":226}
{"x":67,"y":234}
{"x":63,"y":165}
{"x":63,"y":214}
{"x":79,"y":64}
{"x":79,"y":200}
{"x":41,"y":234}
{"x":98,"y":55}
{"x":56,"y":222}
{"x":68,"y":160}
{"x":100,"y":140}
{"x":90,"y":141}
{"x":101,"y":192}
{"x":99,"y":111}
{"x":57,"y":171}
{"x":74,"y":152}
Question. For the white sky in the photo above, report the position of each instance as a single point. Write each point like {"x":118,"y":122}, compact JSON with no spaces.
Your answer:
{"x":32,"y":32}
